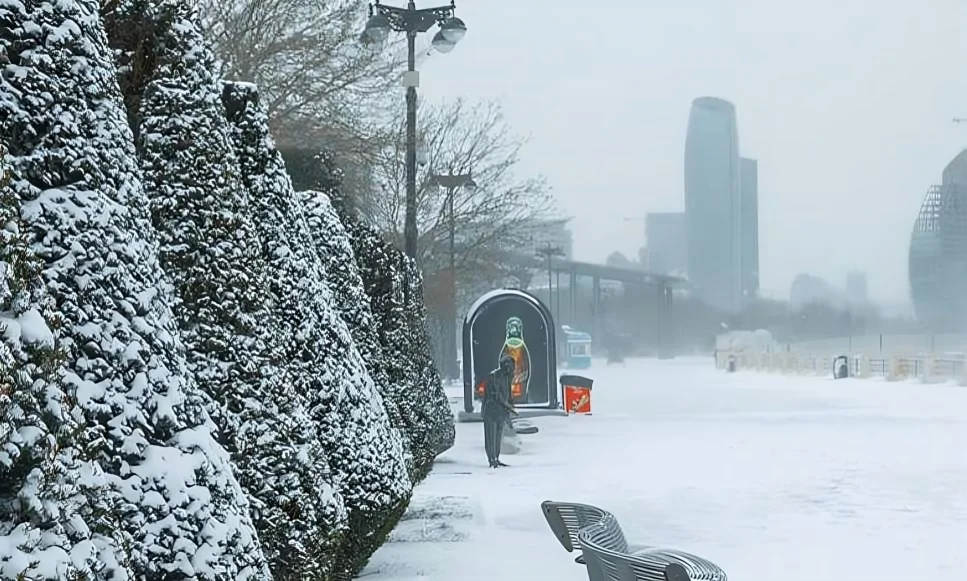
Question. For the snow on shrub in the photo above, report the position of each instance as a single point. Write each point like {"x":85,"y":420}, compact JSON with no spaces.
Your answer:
{"x":46,"y":472}
{"x":211,"y":250}
{"x":349,"y":297}
{"x":413,"y":383}
{"x":85,"y":216}
{"x":366,"y":457}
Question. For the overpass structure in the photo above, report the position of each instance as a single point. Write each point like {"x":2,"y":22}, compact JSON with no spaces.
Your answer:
{"x":573,"y":269}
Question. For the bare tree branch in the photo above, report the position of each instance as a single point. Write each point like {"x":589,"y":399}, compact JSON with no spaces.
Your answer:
{"x":501,"y":216}
{"x":323,"y":89}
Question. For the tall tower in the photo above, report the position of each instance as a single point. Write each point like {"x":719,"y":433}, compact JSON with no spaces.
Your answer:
{"x":749,"y":186}
{"x":713,"y":203}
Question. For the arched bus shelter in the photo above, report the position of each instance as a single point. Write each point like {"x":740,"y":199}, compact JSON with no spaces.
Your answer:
{"x":514,"y":323}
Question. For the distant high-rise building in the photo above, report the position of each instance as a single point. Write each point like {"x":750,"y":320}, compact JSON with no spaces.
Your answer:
{"x":938,"y":252}
{"x":856,"y":288}
{"x":749,"y":187}
{"x":713,"y":204}
{"x":666,"y":242}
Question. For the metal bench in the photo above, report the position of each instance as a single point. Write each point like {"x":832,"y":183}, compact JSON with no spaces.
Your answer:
{"x":599,"y":543}
{"x":567,"y":519}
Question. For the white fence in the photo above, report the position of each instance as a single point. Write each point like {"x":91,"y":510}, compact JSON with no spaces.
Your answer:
{"x":881,"y":344}
{"x":927,"y":367}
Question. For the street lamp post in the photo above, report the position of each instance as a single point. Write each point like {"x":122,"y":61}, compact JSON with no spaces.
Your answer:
{"x":549,"y":251}
{"x":412,"y":21}
{"x":452,"y":182}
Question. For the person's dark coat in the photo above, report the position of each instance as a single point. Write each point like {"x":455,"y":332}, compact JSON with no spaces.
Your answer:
{"x":497,"y":399}
{"x":496,"y":408}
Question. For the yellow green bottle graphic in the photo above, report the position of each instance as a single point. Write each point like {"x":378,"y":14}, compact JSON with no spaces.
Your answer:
{"x":516,"y":349}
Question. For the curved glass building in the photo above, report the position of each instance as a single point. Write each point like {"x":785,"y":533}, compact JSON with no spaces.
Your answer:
{"x":713,"y":209}
{"x":938,"y":252}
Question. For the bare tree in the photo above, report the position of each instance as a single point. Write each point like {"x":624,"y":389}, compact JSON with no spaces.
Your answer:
{"x":496,"y":219}
{"x":323,"y":89}
{"x":492,"y":223}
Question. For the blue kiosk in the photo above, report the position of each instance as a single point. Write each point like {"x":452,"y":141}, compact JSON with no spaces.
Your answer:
{"x":577,"y":348}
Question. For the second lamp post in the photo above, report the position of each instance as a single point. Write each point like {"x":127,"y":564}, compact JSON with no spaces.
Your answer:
{"x":452,"y":183}
{"x":413,"y":21}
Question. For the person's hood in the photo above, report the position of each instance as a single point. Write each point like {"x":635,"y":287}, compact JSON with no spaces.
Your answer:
{"x":506,"y":363}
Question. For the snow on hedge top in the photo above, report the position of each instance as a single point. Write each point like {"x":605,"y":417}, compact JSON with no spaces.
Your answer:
{"x":75,"y":172}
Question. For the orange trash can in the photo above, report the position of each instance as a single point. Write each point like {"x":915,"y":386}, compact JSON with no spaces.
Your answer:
{"x":577,"y":393}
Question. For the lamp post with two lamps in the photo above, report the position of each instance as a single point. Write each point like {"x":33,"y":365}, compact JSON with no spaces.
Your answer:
{"x":410,"y":20}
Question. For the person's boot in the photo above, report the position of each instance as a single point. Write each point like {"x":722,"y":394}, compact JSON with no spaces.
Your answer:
{"x":499,"y":463}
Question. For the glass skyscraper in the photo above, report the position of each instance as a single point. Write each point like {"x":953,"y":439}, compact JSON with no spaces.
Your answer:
{"x":713,"y":204}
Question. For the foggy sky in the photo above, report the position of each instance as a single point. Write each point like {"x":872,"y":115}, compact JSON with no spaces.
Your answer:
{"x":846,"y":104}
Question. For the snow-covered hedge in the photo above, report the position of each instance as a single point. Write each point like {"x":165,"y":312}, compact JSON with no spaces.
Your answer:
{"x":77,"y":188}
{"x":200,"y":374}
{"x":395,"y":292}
{"x":350,"y":300}
{"x":45,"y":470}
{"x":365,"y":453}
{"x":400,"y":360}
{"x":436,"y":415}
{"x":211,"y":250}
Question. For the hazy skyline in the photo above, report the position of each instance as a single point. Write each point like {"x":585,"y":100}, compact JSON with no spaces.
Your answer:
{"x":847,"y":107}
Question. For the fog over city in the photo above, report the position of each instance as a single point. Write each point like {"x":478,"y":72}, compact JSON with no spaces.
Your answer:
{"x":846,"y":106}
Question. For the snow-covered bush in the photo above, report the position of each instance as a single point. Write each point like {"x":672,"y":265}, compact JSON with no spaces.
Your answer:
{"x":411,"y":378}
{"x":353,"y":427}
{"x":349,"y":297}
{"x":210,"y":249}
{"x":85,"y":216}
{"x":432,"y":398}
{"x":46,"y":475}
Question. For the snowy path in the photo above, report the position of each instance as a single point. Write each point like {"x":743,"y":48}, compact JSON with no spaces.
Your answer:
{"x":771,"y":477}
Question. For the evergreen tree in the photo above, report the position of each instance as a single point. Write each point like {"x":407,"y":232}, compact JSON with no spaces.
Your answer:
{"x":426,"y":381}
{"x":86,"y":217}
{"x":210,"y":249}
{"x":353,"y":427}
{"x":351,"y":302}
{"x":411,"y":377}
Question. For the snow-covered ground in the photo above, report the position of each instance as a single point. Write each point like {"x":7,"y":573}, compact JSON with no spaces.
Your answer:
{"x":772,"y":477}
